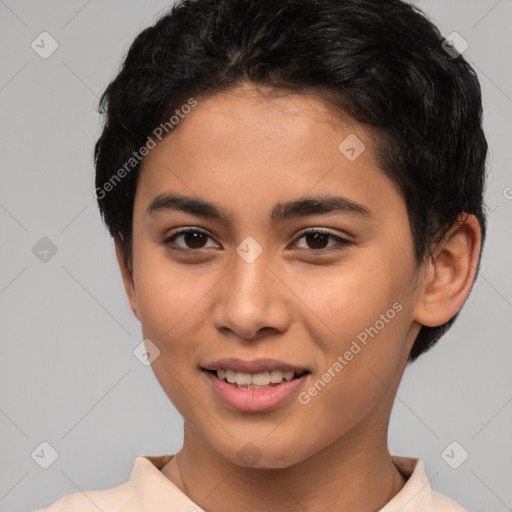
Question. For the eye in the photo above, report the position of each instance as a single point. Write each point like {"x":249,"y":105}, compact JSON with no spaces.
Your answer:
{"x":193,"y":238}
{"x":318,"y":238}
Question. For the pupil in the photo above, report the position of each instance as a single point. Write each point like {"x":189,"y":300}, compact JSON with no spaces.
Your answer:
{"x":316,"y":238}
{"x":193,"y":239}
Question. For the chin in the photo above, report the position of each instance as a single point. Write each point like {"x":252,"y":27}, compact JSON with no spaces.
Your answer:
{"x":263,"y":454}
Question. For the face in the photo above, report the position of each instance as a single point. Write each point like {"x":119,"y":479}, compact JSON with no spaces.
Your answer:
{"x":325,"y":287}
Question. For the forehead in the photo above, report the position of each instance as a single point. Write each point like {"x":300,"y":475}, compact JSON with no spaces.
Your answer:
{"x":254,"y":119}
{"x":251,"y":149}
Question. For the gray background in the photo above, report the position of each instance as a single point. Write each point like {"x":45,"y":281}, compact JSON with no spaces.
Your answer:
{"x":67,"y":372}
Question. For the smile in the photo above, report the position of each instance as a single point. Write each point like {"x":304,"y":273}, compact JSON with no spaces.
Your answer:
{"x":263,"y":380}
{"x":260,"y":392}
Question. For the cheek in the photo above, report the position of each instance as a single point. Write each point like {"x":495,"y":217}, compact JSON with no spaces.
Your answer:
{"x":357,"y":370}
{"x":169,"y":302}
{"x":348,"y":299}
{"x":361,"y":323}
{"x":166,"y":291}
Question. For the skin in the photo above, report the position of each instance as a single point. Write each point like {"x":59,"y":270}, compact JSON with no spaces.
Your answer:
{"x":246,"y":150}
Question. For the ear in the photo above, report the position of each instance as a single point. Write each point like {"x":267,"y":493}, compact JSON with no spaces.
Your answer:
{"x":127,"y":275}
{"x":449,"y":275}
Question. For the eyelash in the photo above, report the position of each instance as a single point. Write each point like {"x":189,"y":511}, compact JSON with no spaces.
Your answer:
{"x":341,"y":241}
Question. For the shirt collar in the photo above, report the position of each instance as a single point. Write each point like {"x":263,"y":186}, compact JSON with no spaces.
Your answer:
{"x":158,"y":494}
{"x":416,"y":494}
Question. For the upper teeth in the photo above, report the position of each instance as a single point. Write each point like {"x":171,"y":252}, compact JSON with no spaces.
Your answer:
{"x":259,"y":379}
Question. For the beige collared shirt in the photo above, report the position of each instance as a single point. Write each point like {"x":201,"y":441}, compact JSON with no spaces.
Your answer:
{"x":149,"y":490}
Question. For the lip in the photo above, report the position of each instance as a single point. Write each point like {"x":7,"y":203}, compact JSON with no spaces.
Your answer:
{"x":254,"y":366}
{"x":255,"y":400}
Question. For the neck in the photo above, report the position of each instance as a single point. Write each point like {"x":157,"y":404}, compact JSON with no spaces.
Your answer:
{"x":355,"y":473}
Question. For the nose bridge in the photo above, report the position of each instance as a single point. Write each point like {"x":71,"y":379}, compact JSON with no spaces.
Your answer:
{"x":250,"y":295}
{"x":250,"y":268}
{"x":250,"y":278}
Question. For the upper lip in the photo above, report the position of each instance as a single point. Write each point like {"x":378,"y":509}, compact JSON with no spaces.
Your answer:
{"x":254,"y":366}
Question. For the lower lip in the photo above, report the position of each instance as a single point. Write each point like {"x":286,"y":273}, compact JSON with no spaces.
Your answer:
{"x":255,"y":400}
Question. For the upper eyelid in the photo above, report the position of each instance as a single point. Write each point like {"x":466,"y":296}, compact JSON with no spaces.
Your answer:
{"x":299,"y":235}
{"x":341,"y":238}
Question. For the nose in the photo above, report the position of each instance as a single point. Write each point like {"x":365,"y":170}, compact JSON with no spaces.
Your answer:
{"x":252,"y":300}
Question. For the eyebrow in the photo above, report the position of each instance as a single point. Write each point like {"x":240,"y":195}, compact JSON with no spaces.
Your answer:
{"x":314,"y":205}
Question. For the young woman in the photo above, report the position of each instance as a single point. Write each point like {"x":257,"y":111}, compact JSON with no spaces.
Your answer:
{"x":295,"y":193}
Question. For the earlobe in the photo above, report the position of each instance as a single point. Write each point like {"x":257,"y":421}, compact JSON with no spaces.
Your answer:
{"x":127,"y":275}
{"x":450,"y":273}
